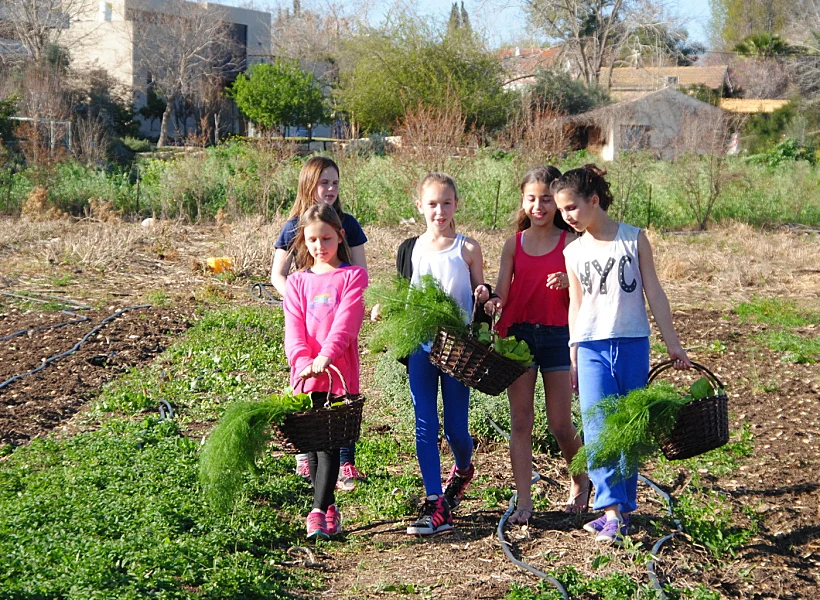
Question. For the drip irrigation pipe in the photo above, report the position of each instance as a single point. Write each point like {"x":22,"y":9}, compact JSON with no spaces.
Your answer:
{"x":166,"y":411}
{"x":656,"y":549}
{"x":260,"y":292}
{"x":51,"y":359}
{"x":65,"y":301}
{"x":650,"y":567}
{"x":505,"y":545}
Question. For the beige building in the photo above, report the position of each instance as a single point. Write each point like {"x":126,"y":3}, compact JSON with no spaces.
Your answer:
{"x":666,"y":123}
{"x":105,"y":37}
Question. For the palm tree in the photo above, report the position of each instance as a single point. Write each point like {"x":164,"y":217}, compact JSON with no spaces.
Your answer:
{"x":764,"y":45}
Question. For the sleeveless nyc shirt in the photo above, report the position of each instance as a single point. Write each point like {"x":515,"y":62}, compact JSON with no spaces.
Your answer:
{"x":613,"y":302}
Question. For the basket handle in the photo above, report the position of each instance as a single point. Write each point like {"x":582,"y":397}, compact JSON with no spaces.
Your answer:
{"x":329,"y":372}
{"x":496,"y":314}
{"x":667,"y":364}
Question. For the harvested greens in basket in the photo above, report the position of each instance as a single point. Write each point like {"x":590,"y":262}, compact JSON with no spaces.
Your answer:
{"x":412,"y":315}
{"x":508,"y":347}
{"x":634,"y":424}
{"x":238,"y":439}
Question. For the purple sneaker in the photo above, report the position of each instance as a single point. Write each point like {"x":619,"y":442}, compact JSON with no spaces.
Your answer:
{"x":613,"y":532}
{"x":598,"y":524}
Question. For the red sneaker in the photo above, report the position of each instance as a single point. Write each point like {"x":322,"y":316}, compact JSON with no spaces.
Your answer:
{"x":456,"y":484}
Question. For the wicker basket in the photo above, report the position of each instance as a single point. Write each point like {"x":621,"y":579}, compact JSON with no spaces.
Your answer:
{"x":327,"y":427}
{"x":473,"y":363}
{"x":702,"y":425}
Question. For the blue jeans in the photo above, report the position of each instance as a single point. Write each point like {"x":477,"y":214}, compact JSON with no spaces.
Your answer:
{"x":424,"y":382}
{"x":608,"y":368}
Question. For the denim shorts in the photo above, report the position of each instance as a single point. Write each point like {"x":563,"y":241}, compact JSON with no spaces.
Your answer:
{"x":549,"y":344}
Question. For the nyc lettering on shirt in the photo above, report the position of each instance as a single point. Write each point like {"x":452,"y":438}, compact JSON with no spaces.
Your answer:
{"x":586,"y":276}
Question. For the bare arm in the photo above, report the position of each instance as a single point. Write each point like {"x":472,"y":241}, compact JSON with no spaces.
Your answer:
{"x":659,"y":303}
{"x":505,"y":274}
{"x":282,"y":261}
{"x":358,"y":257}
{"x":576,"y":294}
{"x":475,"y":262}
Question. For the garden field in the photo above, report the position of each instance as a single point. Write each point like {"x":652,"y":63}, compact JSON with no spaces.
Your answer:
{"x":98,"y":487}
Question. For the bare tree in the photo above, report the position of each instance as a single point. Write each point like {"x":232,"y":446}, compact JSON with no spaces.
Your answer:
{"x":37,"y":25}
{"x":595,"y":34}
{"x":178,"y":48}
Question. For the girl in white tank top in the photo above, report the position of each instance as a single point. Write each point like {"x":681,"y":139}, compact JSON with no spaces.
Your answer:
{"x":455,"y":261}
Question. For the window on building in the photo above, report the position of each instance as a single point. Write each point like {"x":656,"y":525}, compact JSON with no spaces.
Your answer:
{"x":670,"y":81}
{"x":634,"y":137}
{"x":106,"y":11}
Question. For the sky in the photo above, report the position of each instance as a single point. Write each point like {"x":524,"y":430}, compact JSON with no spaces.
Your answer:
{"x":504,"y":21}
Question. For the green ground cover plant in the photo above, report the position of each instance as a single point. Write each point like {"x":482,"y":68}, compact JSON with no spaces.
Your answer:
{"x":117,"y":513}
{"x":786,"y":319}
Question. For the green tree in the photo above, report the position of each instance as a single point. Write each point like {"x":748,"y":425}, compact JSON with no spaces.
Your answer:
{"x":560,"y":92}
{"x":8,"y":108}
{"x":734,"y":20}
{"x":386,"y":71}
{"x":764,"y":45}
{"x":279,"y":95}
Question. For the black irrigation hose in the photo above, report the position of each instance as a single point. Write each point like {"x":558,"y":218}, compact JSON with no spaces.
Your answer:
{"x":50,"y":360}
{"x":166,"y":411}
{"x":260,"y":292}
{"x":65,"y":301}
{"x":505,"y":545}
{"x":650,"y":567}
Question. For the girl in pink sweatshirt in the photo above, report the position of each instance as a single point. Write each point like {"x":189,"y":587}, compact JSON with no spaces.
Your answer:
{"x":324,"y":309}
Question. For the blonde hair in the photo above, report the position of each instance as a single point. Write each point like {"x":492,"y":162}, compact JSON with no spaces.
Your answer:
{"x":308,"y":182}
{"x":318,"y":213}
{"x":441,"y":179}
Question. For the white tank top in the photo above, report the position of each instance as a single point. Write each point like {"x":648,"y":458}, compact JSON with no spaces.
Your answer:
{"x":449,"y":269}
{"x":613,"y":302}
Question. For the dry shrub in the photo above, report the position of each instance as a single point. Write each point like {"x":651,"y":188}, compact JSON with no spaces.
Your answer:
{"x":92,"y":140}
{"x":37,"y":207}
{"x":104,"y":246}
{"x":250,"y":243}
{"x":433,"y":139}
{"x":102,"y":210}
{"x":538,"y":133}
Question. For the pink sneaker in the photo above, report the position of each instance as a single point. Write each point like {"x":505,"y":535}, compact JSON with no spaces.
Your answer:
{"x":303,"y":468}
{"x":317,"y":526}
{"x":334,"y":520}
{"x":348,"y":474}
{"x":456,"y":484}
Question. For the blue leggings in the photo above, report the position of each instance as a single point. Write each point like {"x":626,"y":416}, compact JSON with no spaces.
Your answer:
{"x":424,"y":381}
{"x":607,"y":368}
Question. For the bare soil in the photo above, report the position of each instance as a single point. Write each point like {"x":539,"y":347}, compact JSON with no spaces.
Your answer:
{"x":779,"y":401}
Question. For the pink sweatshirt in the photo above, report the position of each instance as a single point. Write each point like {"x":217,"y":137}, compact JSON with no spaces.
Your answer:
{"x":323,"y":315}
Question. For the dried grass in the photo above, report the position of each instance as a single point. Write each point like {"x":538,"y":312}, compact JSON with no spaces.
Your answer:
{"x":104,"y":246}
{"x":250,"y":243}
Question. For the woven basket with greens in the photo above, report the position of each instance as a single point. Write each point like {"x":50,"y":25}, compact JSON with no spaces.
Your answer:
{"x":635,"y":425}
{"x":238,"y":439}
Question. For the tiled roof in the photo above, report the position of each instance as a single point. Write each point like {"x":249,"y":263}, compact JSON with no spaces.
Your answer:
{"x":751,"y":105}
{"x":655,"y":78}
{"x":526,"y":61}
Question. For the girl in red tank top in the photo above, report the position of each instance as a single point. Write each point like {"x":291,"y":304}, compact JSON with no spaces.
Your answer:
{"x":533,"y":300}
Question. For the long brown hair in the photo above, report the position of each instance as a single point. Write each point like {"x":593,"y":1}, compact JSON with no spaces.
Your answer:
{"x":318,"y":213}
{"x":546,"y":175}
{"x":308,"y":182}
{"x":441,"y":179}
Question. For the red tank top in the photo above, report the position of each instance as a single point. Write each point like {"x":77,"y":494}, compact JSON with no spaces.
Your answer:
{"x":530,"y":300}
